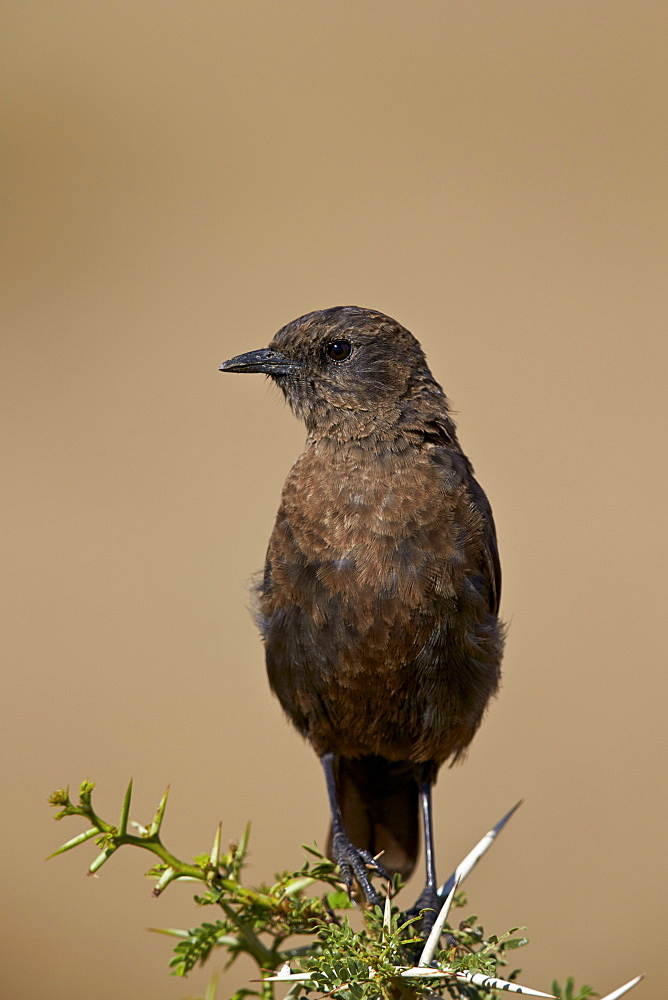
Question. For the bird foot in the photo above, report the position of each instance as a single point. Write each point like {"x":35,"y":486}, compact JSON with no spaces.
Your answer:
{"x":354,"y":864}
{"x":429,"y":901}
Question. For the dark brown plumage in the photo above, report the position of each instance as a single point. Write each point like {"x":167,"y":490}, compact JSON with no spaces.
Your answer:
{"x":380,"y":595}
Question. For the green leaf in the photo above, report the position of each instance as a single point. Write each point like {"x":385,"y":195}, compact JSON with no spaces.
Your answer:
{"x":197,"y":948}
{"x":298,"y":885}
{"x":170,"y":931}
{"x":516,"y":942}
{"x":313,"y":849}
{"x":338,"y":899}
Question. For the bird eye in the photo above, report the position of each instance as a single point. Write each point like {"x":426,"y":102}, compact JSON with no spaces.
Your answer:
{"x":339,"y":350}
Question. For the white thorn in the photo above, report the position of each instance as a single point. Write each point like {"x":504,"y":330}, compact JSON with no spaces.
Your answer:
{"x":477,"y":978}
{"x":387,"y":915}
{"x":294,"y":977}
{"x":499,"y":984}
{"x":483,"y":845}
{"x":432,"y":941}
{"x":623,"y":989}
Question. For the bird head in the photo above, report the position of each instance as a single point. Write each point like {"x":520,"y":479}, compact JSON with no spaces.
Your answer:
{"x":346,"y":370}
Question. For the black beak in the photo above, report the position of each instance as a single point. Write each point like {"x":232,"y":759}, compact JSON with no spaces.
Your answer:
{"x":266,"y":361}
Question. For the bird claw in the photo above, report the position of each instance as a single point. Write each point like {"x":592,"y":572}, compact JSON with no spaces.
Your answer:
{"x":374,"y":863}
{"x":429,"y":901}
{"x":354,"y":863}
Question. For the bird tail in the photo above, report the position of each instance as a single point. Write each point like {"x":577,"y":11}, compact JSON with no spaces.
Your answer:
{"x":379,"y":803}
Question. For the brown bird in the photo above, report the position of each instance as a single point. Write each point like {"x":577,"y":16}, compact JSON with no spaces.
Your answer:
{"x":379,"y":602}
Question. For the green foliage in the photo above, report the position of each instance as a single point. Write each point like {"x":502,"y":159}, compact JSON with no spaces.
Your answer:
{"x":332,"y":957}
{"x":566,"y":992}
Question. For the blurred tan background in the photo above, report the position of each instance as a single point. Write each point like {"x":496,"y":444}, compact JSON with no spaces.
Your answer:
{"x":179,"y":181}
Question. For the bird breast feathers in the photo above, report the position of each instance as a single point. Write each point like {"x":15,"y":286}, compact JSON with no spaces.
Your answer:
{"x":375,"y":530}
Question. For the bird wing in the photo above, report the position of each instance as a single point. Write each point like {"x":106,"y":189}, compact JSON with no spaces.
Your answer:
{"x":448,"y":453}
{"x":490,"y":550}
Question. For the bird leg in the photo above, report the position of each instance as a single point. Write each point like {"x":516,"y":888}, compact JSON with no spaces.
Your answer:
{"x":428,"y":899}
{"x":353,"y":861}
